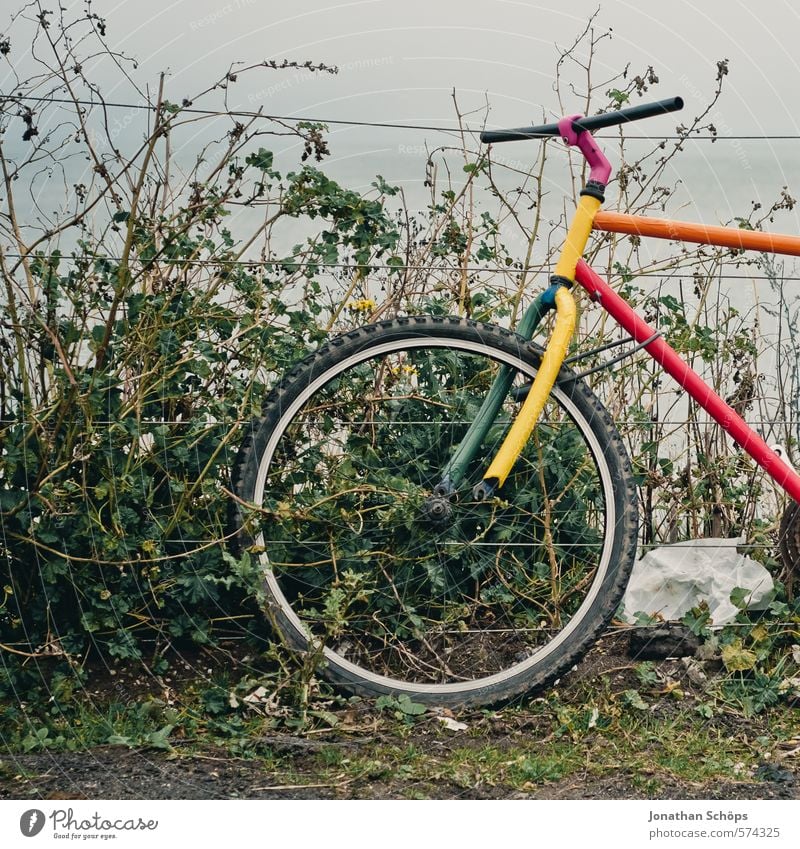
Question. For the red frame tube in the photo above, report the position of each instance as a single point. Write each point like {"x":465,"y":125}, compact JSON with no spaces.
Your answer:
{"x":728,"y":419}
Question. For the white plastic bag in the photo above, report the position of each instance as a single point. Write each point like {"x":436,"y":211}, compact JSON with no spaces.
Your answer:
{"x":673,"y":579}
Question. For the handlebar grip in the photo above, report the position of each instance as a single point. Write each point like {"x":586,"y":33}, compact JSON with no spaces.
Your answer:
{"x":591,"y":123}
{"x":632,"y":113}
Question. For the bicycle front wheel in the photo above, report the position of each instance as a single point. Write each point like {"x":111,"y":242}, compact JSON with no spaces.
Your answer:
{"x":472,"y":604}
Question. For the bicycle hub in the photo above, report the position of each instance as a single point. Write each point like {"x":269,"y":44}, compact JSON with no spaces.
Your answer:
{"x":437,"y":509}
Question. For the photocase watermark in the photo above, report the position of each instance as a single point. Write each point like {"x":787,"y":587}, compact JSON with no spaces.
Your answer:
{"x":134,"y":121}
{"x":32,"y":822}
{"x":413,"y":150}
{"x":65,"y":825}
{"x":366,"y":63}
{"x":122,"y":122}
{"x":302,"y":76}
{"x":218,"y":14}
{"x":513,"y":164}
{"x":496,"y":160}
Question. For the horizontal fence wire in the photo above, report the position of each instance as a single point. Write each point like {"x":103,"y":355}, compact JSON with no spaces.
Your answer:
{"x":781,"y":278}
{"x":617,"y":421}
{"x":236,"y":113}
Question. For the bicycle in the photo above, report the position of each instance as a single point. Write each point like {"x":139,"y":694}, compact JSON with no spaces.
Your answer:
{"x":442,"y":509}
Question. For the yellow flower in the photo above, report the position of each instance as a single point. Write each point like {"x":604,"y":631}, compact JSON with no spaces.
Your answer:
{"x":362,"y":305}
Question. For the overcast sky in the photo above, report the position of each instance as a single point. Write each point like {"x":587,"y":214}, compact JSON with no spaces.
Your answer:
{"x":399,"y":61}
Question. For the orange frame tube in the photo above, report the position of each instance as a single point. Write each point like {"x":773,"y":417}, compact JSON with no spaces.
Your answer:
{"x":684,"y":231}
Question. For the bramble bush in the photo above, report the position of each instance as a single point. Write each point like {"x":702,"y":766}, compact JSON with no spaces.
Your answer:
{"x":144,"y":321}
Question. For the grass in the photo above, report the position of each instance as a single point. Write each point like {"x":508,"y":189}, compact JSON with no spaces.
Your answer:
{"x":626,"y":727}
{"x":649,"y":751}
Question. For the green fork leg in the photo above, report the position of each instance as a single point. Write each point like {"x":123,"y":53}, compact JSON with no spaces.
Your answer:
{"x":469,"y":446}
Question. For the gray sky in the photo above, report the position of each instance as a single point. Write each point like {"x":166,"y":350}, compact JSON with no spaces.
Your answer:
{"x":400,"y":61}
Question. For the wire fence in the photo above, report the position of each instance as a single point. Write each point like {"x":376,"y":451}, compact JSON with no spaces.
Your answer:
{"x":664,"y":273}
{"x":238,"y":113}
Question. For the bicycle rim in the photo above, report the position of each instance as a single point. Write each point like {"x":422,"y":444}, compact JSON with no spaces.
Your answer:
{"x":355,"y":565}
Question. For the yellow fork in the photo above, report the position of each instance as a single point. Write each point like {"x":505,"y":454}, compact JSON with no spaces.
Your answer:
{"x":557,"y":347}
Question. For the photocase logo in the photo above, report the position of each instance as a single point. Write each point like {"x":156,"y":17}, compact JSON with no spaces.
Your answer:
{"x":31,"y":822}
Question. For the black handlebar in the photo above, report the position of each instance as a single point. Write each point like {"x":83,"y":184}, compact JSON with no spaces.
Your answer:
{"x":592,"y":123}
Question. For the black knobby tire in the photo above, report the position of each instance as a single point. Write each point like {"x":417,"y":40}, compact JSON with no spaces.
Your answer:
{"x":789,"y":547}
{"x":497,"y":598}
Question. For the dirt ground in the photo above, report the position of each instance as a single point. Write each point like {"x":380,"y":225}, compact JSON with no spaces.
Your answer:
{"x":368,"y":758}
{"x":114,"y":774}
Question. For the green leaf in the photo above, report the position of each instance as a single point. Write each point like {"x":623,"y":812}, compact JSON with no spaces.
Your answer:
{"x":633,"y":699}
{"x":383,"y":187}
{"x":697,"y":619}
{"x":617,"y":96}
{"x":740,"y":597}
{"x":262,"y":160}
{"x":326,"y":716}
{"x":158,"y":739}
{"x":402,"y":704}
{"x":646,"y":674}
{"x":408,"y":707}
